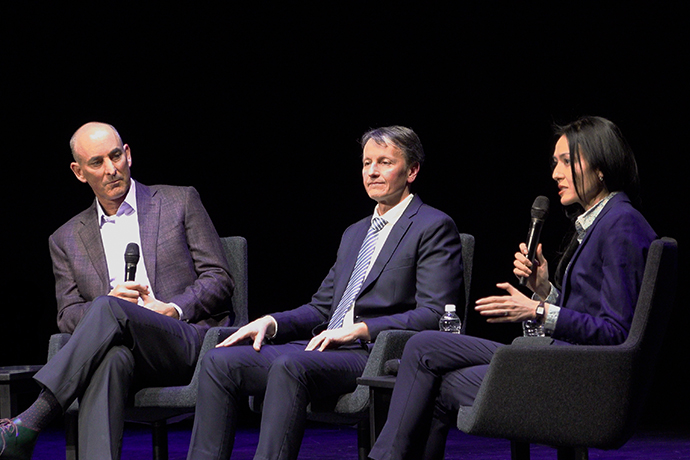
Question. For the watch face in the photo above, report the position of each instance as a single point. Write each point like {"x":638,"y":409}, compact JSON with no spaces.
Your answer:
{"x":540,"y":310}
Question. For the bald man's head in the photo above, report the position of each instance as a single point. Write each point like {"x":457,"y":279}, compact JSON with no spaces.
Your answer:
{"x":93,"y":128}
{"x":102,"y":161}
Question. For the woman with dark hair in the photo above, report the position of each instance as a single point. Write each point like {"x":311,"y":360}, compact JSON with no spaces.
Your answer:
{"x":591,"y":302}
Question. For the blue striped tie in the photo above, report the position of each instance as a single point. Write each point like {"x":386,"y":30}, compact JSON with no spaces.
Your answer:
{"x":357,"y":277}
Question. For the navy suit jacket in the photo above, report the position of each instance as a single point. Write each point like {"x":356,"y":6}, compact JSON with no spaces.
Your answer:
{"x":602,"y":283}
{"x":185,"y":261}
{"x":417,"y":272}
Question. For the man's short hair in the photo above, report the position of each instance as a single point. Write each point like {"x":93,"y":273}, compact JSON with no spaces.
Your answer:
{"x":401,"y":137}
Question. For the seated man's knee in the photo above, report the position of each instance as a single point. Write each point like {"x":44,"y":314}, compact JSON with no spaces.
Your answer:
{"x":109,"y":305}
{"x":229,"y":360}
{"x":213,"y":361}
{"x":421,"y":342}
{"x":288,"y":365}
{"x":102,"y":311}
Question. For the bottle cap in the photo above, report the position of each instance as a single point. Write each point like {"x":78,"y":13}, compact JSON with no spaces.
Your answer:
{"x":450,"y":307}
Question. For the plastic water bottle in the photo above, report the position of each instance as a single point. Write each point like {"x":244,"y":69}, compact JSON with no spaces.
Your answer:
{"x":450,"y":322}
{"x":532,"y":328}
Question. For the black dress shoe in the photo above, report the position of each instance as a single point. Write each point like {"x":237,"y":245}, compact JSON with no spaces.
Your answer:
{"x":16,"y":441}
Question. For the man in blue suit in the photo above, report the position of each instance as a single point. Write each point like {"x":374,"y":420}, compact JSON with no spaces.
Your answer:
{"x":394,"y":270}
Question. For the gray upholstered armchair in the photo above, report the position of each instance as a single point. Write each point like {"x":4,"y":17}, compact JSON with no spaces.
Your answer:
{"x":575,"y":397}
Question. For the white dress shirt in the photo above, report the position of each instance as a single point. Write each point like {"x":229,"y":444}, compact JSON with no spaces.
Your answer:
{"x":117,"y":231}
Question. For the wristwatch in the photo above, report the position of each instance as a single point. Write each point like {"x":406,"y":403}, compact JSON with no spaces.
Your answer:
{"x":540,"y":313}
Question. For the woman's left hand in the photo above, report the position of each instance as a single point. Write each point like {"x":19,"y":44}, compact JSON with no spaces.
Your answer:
{"x":511,"y":308}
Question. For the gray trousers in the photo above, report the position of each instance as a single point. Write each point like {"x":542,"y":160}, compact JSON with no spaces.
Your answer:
{"x":117,"y":346}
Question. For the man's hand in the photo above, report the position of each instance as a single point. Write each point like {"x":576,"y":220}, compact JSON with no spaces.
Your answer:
{"x":160,"y":307}
{"x":255,"y":331}
{"x":129,"y":291}
{"x":333,"y":338}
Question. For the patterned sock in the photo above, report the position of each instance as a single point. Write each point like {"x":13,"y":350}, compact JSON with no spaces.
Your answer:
{"x":41,"y":412}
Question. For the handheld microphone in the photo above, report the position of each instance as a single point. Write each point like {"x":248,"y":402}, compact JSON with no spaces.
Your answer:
{"x":540,"y":210}
{"x":131,"y":261}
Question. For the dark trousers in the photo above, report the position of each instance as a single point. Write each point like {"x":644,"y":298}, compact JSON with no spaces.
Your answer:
{"x":288,"y":376}
{"x":117,"y":345}
{"x":439,"y":372}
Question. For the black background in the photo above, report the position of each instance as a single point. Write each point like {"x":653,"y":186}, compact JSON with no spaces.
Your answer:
{"x":259,"y":105}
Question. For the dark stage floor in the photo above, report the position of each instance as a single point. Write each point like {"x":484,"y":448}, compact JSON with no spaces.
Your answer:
{"x":326,"y":442}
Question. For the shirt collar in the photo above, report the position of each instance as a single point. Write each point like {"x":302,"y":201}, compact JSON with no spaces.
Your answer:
{"x":395,"y":212}
{"x":584,"y":221}
{"x":127,"y":208}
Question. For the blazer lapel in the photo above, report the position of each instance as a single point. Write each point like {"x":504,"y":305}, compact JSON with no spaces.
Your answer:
{"x":392,"y":242}
{"x":90,"y":235}
{"x":148,"y":214}
{"x":566,"y":281}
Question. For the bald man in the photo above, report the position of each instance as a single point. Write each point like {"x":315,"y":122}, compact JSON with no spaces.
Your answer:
{"x":125,"y":334}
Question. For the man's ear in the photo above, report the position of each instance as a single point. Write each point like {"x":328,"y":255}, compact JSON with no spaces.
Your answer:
{"x":76,"y":169}
{"x":128,"y":153}
{"x":412,"y":172}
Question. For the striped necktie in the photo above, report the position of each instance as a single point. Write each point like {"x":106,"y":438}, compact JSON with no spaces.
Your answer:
{"x":357,"y":277}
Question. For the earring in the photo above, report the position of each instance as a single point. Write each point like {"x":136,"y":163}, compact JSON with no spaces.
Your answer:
{"x":601,"y":178}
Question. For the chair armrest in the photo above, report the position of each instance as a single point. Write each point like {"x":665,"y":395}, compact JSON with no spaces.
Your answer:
{"x":389,"y":345}
{"x":57,"y":341}
{"x":213,"y":337}
{"x":532,"y":342}
{"x":182,"y":396}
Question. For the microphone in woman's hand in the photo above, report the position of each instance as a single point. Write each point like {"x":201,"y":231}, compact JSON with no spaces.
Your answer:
{"x":540,"y":210}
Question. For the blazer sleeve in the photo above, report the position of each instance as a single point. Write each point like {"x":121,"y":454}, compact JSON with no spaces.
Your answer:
{"x":207,"y":294}
{"x":606,"y":282}
{"x":71,"y":302}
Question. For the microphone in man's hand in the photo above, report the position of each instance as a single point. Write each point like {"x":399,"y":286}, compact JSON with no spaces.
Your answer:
{"x":540,"y":210}
{"x":131,"y":261}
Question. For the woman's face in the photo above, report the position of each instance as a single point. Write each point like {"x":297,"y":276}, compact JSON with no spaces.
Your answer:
{"x":591,"y":189}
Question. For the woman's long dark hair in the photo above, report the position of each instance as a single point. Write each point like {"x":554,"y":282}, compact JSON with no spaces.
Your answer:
{"x":601,"y":144}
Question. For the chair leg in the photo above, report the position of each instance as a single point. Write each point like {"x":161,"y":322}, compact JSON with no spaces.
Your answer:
{"x":160,"y":440}
{"x":519,"y":450}
{"x":573,"y":453}
{"x":363,"y":439}
{"x":71,"y":436}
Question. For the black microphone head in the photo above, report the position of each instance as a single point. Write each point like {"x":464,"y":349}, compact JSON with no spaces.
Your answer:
{"x":540,"y":208}
{"x":132,"y":253}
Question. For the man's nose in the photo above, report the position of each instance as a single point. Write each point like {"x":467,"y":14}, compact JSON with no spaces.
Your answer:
{"x":110,"y":168}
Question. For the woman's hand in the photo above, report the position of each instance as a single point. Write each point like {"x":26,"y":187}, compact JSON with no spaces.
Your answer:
{"x":537,"y":280}
{"x":511,"y":308}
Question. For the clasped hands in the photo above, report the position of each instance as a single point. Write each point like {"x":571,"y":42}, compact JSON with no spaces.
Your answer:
{"x":259,"y":329}
{"x":131,"y":291}
{"x":517,"y":307}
